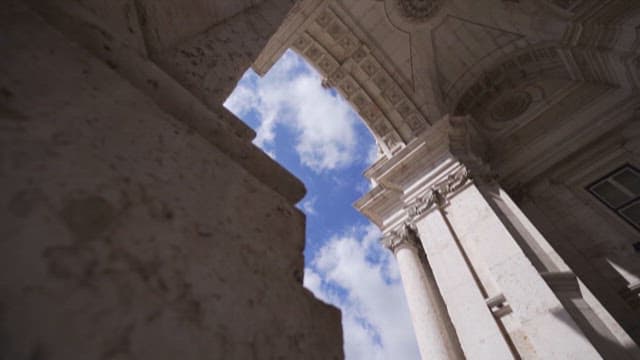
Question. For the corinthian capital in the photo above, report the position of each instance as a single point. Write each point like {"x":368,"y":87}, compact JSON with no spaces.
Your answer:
{"x":439,"y":194}
{"x":404,"y":236}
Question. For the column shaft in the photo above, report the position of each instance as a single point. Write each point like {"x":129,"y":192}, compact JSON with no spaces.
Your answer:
{"x":434,"y":332}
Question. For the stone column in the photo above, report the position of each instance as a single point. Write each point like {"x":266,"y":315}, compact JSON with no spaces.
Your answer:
{"x":434,"y":333}
{"x":539,"y":325}
{"x":473,"y":261}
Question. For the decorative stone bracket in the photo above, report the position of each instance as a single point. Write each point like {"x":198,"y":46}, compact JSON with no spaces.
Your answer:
{"x":411,"y":15}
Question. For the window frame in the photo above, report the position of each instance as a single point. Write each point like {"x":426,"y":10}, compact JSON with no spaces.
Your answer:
{"x":616,"y":210}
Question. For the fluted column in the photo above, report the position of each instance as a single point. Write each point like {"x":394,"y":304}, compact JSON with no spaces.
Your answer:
{"x":434,"y":333}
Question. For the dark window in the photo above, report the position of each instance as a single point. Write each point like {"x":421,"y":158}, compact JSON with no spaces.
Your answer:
{"x":620,"y":191}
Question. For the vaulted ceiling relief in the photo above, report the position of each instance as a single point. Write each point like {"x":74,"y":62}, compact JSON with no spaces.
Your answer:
{"x":528,"y":81}
{"x":505,"y":90}
{"x":418,"y":10}
{"x":565,"y":4}
{"x":511,"y":105}
{"x":519,"y":89}
{"x":463,"y":49}
{"x":349,"y":66}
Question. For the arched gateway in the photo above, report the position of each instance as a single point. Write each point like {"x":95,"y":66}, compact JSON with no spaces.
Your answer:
{"x":533,"y":88}
{"x":139,"y":222}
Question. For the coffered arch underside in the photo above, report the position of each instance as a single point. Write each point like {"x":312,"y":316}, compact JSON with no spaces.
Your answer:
{"x":497,"y":71}
{"x":516,"y":102}
{"x":353,"y":69}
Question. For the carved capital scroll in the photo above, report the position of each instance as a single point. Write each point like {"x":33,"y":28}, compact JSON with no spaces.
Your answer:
{"x":404,"y":236}
{"x":438,"y":195}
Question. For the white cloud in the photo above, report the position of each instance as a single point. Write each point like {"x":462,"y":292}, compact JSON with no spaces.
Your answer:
{"x":374,"y":154}
{"x":354,"y":272}
{"x":350,"y":270}
{"x":309,"y":206}
{"x":364,"y":186}
{"x":291,"y":95}
{"x":241,"y":100}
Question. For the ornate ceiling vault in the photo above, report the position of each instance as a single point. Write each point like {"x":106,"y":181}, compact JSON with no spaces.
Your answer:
{"x":349,"y":64}
{"x":420,"y":59}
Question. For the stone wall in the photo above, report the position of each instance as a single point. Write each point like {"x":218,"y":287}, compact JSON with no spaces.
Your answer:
{"x":592,"y":239}
{"x":136,"y":222}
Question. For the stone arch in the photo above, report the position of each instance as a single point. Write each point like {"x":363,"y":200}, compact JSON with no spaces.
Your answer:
{"x":360,"y":75}
{"x":350,"y":67}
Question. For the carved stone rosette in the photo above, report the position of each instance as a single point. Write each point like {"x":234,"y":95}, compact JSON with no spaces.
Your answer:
{"x":418,"y":10}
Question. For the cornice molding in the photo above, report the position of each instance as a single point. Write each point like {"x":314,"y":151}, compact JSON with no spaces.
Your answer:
{"x":426,"y":172}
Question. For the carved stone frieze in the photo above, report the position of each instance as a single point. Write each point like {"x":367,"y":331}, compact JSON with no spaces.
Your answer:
{"x":439,"y":193}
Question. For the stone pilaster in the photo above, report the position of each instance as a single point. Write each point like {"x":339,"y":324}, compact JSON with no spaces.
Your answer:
{"x":467,"y":298}
{"x":498,"y":303}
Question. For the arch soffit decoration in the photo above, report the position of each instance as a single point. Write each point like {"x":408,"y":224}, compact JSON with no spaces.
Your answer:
{"x":353,"y":69}
{"x":514,"y":53}
{"x":500,"y":88}
{"x":330,"y":43}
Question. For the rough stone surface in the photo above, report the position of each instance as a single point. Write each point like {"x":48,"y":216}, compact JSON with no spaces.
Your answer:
{"x":125,"y":233}
{"x":231,"y":45}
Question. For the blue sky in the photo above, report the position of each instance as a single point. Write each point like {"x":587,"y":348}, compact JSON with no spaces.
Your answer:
{"x":315,"y":134}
